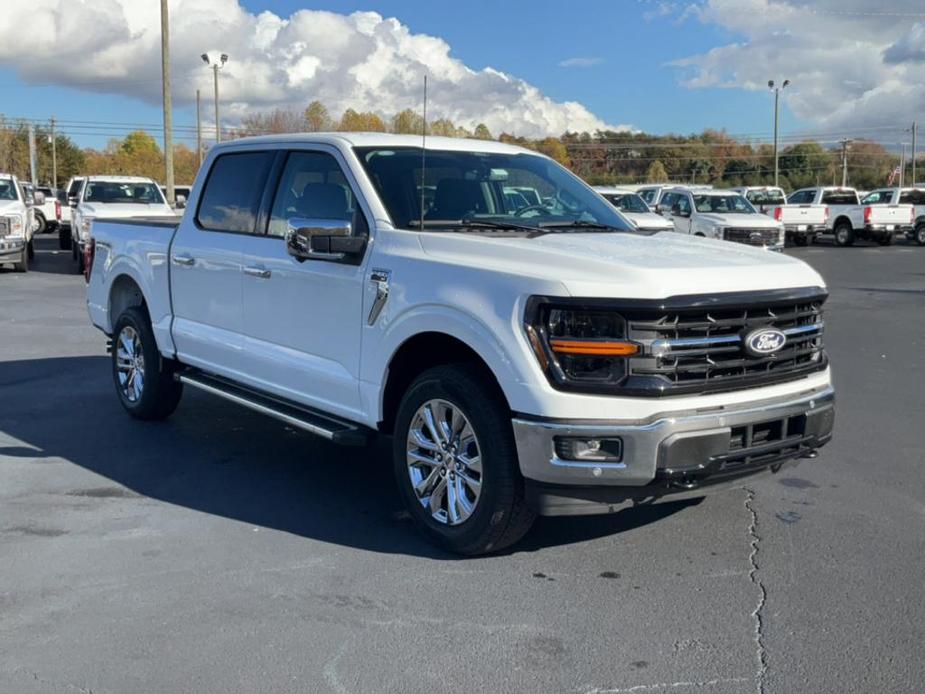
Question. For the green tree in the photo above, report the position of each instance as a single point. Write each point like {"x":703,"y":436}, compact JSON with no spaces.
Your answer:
{"x":656,"y":173}
{"x":482,"y":132}
{"x":407,"y":122}
{"x":444,"y":127}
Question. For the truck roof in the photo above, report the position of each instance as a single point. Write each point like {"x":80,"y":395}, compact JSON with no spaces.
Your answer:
{"x":120,"y":179}
{"x":614,"y":189}
{"x":459,"y":144}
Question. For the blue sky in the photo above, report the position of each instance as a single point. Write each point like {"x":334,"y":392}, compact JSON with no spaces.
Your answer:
{"x":630,"y":82}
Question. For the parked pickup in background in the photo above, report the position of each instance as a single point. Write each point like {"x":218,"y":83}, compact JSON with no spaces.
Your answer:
{"x":720,"y":214}
{"x":903,"y":196}
{"x":48,"y":214}
{"x":16,"y":223}
{"x":850,"y":221}
{"x":112,"y":197}
{"x":525,"y":360}
{"x":634,"y":209}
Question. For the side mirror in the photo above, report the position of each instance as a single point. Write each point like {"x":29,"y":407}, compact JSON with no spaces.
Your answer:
{"x":322,"y":239}
{"x":38,"y":198}
{"x":181,"y":202}
{"x":72,"y":200}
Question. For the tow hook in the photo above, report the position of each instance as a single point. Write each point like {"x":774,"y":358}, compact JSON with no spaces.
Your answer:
{"x":813,"y":453}
{"x":686,"y":484}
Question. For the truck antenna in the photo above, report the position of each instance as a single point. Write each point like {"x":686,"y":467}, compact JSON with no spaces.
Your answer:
{"x":423,"y":152}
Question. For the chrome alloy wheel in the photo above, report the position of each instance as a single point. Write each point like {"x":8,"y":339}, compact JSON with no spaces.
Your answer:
{"x":444,"y":462}
{"x":130,"y":364}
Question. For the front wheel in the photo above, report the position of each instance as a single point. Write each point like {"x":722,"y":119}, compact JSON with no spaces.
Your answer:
{"x":456,"y":463}
{"x":30,"y":249}
{"x":144,"y":380}
{"x":22,"y":265}
{"x":844,"y":235}
{"x":42,"y":224}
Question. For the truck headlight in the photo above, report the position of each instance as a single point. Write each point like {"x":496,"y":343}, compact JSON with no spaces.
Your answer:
{"x":16,"y":225}
{"x":578,"y":344}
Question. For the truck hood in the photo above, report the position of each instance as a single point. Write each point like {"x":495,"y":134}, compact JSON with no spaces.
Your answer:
{"x":752,"y":221}
{"x":123,"y":210}
{"x":647,"y":220}
{"x":11,"y":207}
{"x":626,"y":265}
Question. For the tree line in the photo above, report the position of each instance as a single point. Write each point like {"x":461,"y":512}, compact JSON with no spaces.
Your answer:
{"x":603,"y":157}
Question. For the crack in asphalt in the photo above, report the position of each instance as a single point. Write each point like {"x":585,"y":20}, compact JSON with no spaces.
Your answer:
{"x":757,"y":614}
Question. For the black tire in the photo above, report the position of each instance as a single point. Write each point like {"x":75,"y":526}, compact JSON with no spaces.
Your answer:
{"x":844,"y":235}
{"x":801,"y":240}
{"x":159,"y":392}
{"x":75,"y":249}
{"x":64,"y":238}
{"x":501,"y":515}
{"x":885,"y":240}
{"x":80,"y":260}
{"x":919,"y":234}
{"x":22,"y":265}
{"x":30,"y":249}
{"x":43,"y":225}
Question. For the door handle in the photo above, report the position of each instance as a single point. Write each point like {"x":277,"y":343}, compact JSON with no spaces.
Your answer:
{"x":183,"y":260}
{"x":260,"y":272}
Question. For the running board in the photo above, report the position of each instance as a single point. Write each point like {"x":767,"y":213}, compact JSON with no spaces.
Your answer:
{"x":324,"y":425}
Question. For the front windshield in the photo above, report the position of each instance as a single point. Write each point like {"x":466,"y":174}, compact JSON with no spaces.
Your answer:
{"x":769,"y":196}
{"x":723,"y":204}
{"x":627,"y":202}
{"x":468,"y":189}
{"x":7,"y":189}
{"x":116,"y":192}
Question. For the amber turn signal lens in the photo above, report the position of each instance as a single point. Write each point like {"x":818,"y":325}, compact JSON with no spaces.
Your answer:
{"x":594,"y":348}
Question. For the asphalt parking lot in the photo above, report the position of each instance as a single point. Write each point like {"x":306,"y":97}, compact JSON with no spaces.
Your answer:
{"x":222,"y":552}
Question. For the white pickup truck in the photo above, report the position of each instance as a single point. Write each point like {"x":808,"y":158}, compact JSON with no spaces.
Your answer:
{"x":851,"y":221}
{"x":112,"y":197}
{"x":802,"y":220}
{"x":16,"y":224}
{"x":903,"y":196}
{"x":635,"y":209}
{"x":542,"y":360}
{"x":720,"y":214}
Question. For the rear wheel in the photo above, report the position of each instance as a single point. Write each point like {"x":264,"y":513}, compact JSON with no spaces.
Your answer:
{"x":64,"y":238}
{"x":456,"y":462}
{"x":144,"y":380}
{"x":844,"y":235}
{"x":42,"y":224}
{"x":30,"y":249}
{"x":801,"y":240}
{"x":79,"y":256}
{"x":919,"y":234}
{"x":886,"y":240}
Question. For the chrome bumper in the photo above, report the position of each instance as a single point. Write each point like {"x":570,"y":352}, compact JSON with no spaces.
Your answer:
{"x":11,"y":248}
{"x":807,"y":228}
{"x":676,"y":449}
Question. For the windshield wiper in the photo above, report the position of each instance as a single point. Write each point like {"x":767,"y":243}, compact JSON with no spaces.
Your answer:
{"x":472,"y":223}
{"x":580,"y":224}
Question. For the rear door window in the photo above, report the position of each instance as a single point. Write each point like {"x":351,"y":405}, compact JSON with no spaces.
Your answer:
{"x":231,"y":197}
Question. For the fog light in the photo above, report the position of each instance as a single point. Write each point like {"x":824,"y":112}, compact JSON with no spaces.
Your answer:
{"x":598,"y":450}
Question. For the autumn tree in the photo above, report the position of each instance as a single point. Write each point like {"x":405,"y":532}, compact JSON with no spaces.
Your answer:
{"x":553,"y":148}
{"x":482,"y":132}
{"x":407,"y":122}
{"x":317,"y":118}
{"x":353,"y":121}
{"x":656,"y":173}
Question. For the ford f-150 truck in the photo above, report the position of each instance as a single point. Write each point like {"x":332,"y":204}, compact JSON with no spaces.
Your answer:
{"x":540,"y":360}
{"x":720,"y":214}
{"x":635,"y":209}
{"x":802,"y":221}
{"x":850,"y":221}
{"x":16,"y":224}
{"x":112,"y":197}
{"x":903,"y":196}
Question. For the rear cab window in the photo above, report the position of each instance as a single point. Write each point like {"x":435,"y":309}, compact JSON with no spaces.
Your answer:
{"x":878,"y":197}
{"x":912,"y":197}
{"x":840,"y":197}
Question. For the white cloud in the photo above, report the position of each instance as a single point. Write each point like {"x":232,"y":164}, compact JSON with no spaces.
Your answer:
{"x":580,"y":62}
{"x":362,"y":60}
{"x":850,"y":62}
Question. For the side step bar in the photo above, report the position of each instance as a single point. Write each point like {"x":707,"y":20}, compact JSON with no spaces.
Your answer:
{"x":324,"y":425}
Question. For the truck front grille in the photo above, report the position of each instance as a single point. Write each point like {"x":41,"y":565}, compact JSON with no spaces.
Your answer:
{"x":703,"y":349}
{"x":752,"y":237}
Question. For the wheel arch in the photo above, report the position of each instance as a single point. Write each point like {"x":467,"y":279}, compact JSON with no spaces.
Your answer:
{"x":124,"y":291}
{"x":842,"y":219}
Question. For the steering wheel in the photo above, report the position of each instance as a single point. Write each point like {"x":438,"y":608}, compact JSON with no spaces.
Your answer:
{"x":531,"y":208}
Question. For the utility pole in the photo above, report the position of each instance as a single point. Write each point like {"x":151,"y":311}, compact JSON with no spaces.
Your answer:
{"x":902,"y":165}
{"x":168,"y":106}
{"x":913,"y":153}
{"x":844,"y":162}
{"x":215,"y":68}
{"x":32,"y":153}
{"x":54,"y":155}
{"x":776,"y":123}
{"x":198,"y":130}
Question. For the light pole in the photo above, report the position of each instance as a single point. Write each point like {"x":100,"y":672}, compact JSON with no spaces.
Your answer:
{"x":215,"y":68}
{"x":777,"y":91}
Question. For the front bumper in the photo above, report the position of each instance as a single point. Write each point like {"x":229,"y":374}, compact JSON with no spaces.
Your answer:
{"x":672,"y":454}
{"x":11,"y":249}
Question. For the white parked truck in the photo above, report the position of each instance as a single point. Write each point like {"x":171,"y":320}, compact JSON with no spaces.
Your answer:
{"x":48,"y":214}
{"x":851,"y":221}
{"x":720,"y":214}
{"x":903,"y":196}
{"x":112,"y":197}
{"x":802,"y":220}
{"x":635,"y":209}
{"x":541,"y":360}
{"x":16,"y":224}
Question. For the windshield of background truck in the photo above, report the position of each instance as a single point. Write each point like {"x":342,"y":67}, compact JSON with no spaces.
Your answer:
{"x":627,"y":202}
{"x":460,"y":187}
{"x":723,"y":204}
{"x":766,"y":197}
{"x":74,"y":187}
{"x":8,"y":189}
{"x":112,"y":192}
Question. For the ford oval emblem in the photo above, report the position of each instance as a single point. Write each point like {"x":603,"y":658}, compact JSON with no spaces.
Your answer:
{"x":764,"y":341}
